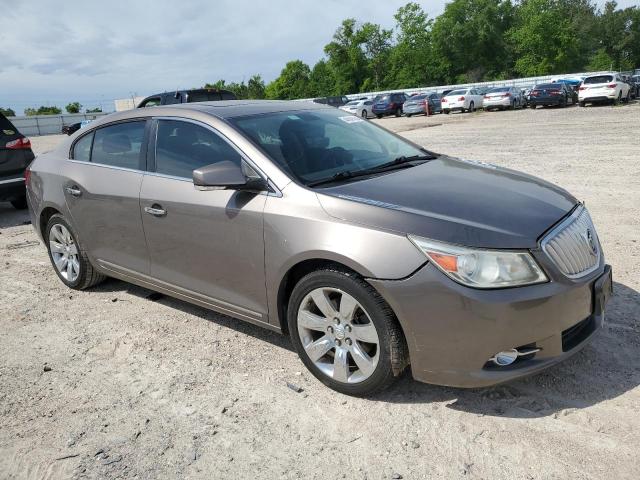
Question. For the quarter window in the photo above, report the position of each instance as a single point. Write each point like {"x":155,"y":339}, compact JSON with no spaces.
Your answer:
{"x":82,"y":148}
{"x":119,"y":145}
{"x":182,"y":147}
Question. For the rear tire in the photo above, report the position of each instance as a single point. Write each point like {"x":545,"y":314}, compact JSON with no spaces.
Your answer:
{"x":472,"y":107}
{"x":20,"y":203}
{"x":582,"y":104}
{"x":82,"y":274}
{"x":628,"y":98}
{"x":398,"y":112}
{"x":328,"y":341}
{"x":446,"y":112}
{"x":378,"y":116}
{"x":533,"y":106}
{"x":364,"y":114}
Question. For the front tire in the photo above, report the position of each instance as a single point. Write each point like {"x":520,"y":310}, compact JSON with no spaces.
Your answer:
{"x":69,"y":260}
{"x":364,"y":114}
{"x":345,"y":333}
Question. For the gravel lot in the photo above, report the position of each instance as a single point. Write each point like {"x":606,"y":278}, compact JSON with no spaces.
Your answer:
{"x":108,"y":383}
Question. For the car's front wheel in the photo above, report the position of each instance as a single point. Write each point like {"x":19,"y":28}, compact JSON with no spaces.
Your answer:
{"x":68,"y":258}
{"x":345,"y":333}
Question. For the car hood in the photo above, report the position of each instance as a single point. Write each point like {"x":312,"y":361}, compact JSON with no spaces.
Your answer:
{"x":456,"y":201}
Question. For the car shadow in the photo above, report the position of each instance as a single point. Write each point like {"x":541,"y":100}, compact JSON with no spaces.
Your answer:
{"x":240,"y":326}
{"x":603,"y":370}
{"x":10,"y":217}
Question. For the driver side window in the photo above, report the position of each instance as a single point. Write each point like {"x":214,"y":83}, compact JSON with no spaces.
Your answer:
{"x":182,"y":147}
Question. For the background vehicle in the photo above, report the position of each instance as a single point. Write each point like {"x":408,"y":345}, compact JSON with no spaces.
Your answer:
{"x":187,"y":96}
{"x":418,"y":104}
{"x":603,"y":88}
{"x":362,"y":108}
{"x":15,"y":157}
{"x":389,"y":104}
{"x":335,"y":101}
{"x":634,"y":86}
{"x":500,"y":98}
{"x":463,"y":100}
{"x":71,"y":129}
{"x":552,"y":94}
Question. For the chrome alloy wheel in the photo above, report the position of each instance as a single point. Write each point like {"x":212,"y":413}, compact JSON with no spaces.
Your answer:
{"x":338,"y":335}
{"x":64,"y":252}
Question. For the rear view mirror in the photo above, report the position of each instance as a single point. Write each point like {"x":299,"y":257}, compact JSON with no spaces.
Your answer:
{"x":225,"y":175}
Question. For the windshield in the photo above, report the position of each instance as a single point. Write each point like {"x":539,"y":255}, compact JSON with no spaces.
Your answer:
{"x":457,"y":92}
{"x":599,"y":79}
{"x":315,"y":145}
{"x":352,"y":103}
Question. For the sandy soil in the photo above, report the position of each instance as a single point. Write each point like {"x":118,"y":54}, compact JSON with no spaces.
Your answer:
{"x":108,"y":383}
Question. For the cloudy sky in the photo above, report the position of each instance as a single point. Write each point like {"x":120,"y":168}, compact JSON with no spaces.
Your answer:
{"x":52,"y":53}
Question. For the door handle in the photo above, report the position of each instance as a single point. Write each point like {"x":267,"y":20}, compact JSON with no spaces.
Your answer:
{"x":75,"y":191}
{"x":155,"y":210}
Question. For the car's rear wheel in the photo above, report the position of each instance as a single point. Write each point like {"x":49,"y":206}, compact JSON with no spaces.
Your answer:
{"x":618,"y":98}
{"x":398,"y":112}
{"x":628,"y":97}
{"x":445,"y":111}
{"x":533,"y":106}
{"x":582,"y":104}
{"x":472,"y":107}
{"x":345,"y":333}
{"x":20,"y":203}
{"x":379,"y":116}
{"x":68,"y":258}
{"x":363,"y":114}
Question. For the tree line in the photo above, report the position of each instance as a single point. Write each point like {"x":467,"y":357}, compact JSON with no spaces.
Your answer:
{"x":471,"y":41}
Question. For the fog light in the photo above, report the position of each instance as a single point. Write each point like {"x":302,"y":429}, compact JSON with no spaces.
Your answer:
{"x":507,"y":357}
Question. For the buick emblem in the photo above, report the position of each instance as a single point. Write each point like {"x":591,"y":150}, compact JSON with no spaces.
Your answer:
{"x":591,"y":241}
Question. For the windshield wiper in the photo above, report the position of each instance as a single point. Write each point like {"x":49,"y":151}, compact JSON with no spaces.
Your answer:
{"x":399,"y":162}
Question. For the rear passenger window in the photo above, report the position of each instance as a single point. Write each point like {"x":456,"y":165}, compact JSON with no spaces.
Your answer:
{"x":182,"y":147}
{"x":119,"y":145}
{"x":82,"y":148}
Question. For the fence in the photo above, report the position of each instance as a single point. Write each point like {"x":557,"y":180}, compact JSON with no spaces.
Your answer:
{"x":49,"y":124}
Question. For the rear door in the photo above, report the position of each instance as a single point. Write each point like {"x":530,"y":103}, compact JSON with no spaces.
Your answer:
{"x":102,"y":190}
{"x":209,"y":244}
{"x":15,"y":153}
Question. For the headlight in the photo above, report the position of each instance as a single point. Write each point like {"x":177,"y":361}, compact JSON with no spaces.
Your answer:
{"x":480,"y":268}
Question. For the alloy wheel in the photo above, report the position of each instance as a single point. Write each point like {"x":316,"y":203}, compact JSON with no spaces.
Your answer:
{"x":338,"y":335}
{"x":64,"y":252}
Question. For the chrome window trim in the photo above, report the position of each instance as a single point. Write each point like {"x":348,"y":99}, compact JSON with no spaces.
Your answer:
{"x":559,"y":228}
{"x":103,"y":165}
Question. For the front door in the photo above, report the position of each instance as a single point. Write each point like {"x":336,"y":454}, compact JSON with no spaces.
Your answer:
{"x":207,"y":245}
{"x":102,"y":192}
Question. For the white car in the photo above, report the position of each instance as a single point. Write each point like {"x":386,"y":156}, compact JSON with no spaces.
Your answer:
{"x":608,"y":87}
{"x":463,"y":99}
{"x":361,"y":108}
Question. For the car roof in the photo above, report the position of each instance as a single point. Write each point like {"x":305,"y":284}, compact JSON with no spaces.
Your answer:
{"x":223,"y":109}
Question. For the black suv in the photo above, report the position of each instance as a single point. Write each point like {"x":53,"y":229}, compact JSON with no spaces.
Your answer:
{"x":187,"y":96}
{"x":15,"y":157}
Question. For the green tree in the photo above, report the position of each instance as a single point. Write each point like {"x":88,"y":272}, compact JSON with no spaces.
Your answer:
{"x":7,"y":112}
{"x":346,"y":57}
{"x":94,"y":110}
{"x":619,"y":36}
{"x":292,"y":83}
{"x":469,"y":39}
{"x":552,"y":36}
{"x":42,"y":111}
{"x":322,"y":80}
{"x":256,"y":87}
{"x":411,"y":58}
{"x":74,"y":107}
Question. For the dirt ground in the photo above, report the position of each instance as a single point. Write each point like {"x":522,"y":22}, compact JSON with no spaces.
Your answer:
{"x":109,"y":383}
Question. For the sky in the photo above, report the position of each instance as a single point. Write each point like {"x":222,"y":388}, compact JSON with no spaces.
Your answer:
{"x":53,"y":53}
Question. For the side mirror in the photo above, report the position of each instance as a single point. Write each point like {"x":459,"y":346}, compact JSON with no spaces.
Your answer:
{"x":225,"y":175}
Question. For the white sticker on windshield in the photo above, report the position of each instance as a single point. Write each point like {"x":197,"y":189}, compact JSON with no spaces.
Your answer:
{"x":351,"y":119}
{"x":293,"y":117}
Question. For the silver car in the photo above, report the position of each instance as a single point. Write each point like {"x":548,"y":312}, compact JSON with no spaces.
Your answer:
{"x":371,"y":252}
{"x":360,"y":107}
{"x":501,"y":98}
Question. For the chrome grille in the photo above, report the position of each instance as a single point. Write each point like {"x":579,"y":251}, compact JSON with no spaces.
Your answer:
{"x":573,"y":245}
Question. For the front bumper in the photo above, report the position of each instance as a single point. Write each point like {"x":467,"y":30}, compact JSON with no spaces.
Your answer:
{"x":453,"y":330}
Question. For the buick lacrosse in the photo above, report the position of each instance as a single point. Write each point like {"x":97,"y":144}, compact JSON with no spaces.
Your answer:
{"x":374,"y":254}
